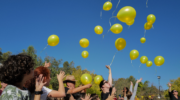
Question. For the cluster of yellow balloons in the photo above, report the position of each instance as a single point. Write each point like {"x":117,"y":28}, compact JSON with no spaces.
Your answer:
{"x":53,"y":40}
{"x":127,"y":15}
{"x":87,"y":79}
{"x":84,"y":43}
{"x":150,"y":20}
{"x":159,"y":60}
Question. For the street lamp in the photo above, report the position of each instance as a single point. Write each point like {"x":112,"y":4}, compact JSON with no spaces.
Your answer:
{"x":159,"y":77}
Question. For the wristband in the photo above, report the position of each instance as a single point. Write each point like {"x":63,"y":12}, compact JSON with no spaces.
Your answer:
{"x":38,"y":92}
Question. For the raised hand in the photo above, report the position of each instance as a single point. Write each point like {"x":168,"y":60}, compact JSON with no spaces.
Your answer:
{"x":47,"y":64}
{"x":131,"y":83}
{"x":88,"y":85}
{"x":169,"y":84}
{"x":40,"y":83}
{"x":61,"y":76}
{"x":108,"y":67}
{"x":139,"y":80}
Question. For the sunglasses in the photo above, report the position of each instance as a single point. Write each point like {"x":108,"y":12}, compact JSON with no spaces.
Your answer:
{"x":105,"y":82}
{"x":175,"y":91}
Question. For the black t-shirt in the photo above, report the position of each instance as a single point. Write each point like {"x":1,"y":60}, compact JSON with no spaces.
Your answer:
{"x":68,"y":95}
{"x":172,"y":96}
{"x":104,"y":96}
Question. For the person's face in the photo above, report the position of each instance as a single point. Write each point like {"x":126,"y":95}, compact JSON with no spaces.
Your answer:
{"x":71,"y":85}
{"x":175,"y":92}
{"x":106,"y":84}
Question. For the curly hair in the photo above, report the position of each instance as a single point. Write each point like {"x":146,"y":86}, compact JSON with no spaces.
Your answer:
{"x":15,"y":67}
{"x":30,"y":85}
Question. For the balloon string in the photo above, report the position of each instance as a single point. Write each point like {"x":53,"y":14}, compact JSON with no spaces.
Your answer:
{"x":131,"y":63}
{"x":144,"y":33}
{"x":152,"y":27}
{"x":106,"y":34}
{"x":101,"y":14}
{"x":110,"y":19}
{"x":146,"y":3}
{"x":44,"y":48}
{"x":156,"y":71}
{"x":129,"y":26}
{"x":113,"y":59}
{"x":139,"y":68}
{"x":116,"y":7}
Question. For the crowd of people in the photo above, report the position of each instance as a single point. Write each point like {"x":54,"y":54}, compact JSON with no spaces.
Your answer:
{"x":20,"y":81}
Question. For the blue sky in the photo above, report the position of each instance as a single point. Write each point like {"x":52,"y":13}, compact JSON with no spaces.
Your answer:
{"x":24,"y":23}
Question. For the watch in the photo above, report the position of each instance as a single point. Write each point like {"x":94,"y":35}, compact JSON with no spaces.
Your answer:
{"x":38,"y":92}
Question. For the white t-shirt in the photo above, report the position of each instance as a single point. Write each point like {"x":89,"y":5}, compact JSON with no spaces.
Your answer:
{"x":45,"y":90}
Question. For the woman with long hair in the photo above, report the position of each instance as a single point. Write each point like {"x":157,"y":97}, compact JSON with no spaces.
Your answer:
{"x":30,"y":85}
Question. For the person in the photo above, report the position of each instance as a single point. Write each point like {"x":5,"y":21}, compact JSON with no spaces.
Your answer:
{"x":106,"y":86}
{"x":16,"y":70}
{"x":46,"y":91}
{"x":94,"y":97}
{"x":132,"y":94}
{"x":70,"y":89}
{"x":3,"y":86}
{"x":173,"y":94}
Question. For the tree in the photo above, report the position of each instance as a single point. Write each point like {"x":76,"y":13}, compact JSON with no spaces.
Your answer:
{"x":6,"y":55}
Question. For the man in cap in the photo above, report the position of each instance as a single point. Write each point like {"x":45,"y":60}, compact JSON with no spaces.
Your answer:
{"x":70,"y":89}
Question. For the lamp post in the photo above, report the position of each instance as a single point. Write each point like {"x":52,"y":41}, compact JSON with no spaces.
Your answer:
{"x":159,"y":77}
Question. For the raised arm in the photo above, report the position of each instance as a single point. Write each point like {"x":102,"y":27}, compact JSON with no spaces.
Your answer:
{"x":131,"y":86}
{"x":61,"y":90}
{"x":135,"y":89}
{"x":110,"y":75}
{"x":78,"y":89}
{"x":169,"y":87}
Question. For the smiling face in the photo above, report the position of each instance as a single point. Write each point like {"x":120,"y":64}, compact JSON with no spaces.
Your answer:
{"x":106,"y":84}
{"x":175,"y":92}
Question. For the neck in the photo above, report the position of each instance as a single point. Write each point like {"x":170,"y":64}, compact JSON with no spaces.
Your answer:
{"x":20,"y":85}
{"x":105,"y":90}
{"x":175,"y":96}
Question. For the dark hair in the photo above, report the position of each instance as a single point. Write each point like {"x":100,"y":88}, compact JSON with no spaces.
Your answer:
{"x":30,"y":85}
{"x":128,"y":93}
{"x":15,"y":67}
{"x":78,"y":96}
{"x":94,"y":96}
{"x":101,"y":84}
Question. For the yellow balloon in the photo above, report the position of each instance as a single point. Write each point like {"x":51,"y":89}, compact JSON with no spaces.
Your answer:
{"x":98,"y":79}
{"x":134,"y":54}
{"x":142,"y":96}
{"x":159,"y":60}
{"x":147,"y":26}
{"x":120,"y":43}
{"x":144,"y":59}
{"x":84,"y":42}
{"x":143,"y":40}
{"x":126,"y":14}
{"x":149,"y":64}
{"x":116,"y":28}
{"x":86,"y":79}
{"x":107,"y":6}
{"x":149,"y":96}
{"x":98,"y":30}
{"x":53,"y":40}
{"x":85,"y":54}
{"x":151,"y":18}
{"x":130,"y":23}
